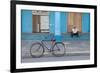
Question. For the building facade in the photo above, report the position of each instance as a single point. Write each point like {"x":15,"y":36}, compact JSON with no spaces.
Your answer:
{"x":35,"y":21}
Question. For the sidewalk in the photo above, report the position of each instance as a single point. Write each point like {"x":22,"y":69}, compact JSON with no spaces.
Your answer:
{"x":72,"y":48}
{"x":75,"y":48}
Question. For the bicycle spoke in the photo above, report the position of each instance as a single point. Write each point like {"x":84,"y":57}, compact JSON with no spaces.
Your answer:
{"x":58,"y":49}
{"x":36,"y":50}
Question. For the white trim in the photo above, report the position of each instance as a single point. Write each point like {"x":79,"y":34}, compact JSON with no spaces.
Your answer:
{"x":51,"y":64}
{"x":38,"y":12}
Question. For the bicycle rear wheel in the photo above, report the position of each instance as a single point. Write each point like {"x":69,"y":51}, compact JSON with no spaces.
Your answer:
{"x":36,"y":50}
{"x":58,"y":49}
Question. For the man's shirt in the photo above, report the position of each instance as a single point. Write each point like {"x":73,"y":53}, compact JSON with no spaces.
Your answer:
{"x":74,"y":30}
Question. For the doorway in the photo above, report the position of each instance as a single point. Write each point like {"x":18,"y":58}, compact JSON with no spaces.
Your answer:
{"x":74,"y":19}
{"x":40,"y":22}
{"x":36,"y":23}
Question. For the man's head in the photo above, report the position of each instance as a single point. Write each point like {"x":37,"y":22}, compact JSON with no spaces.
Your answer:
{"x":74,"y":27}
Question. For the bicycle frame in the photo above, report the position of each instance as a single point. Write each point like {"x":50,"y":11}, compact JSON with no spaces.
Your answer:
{"x":42,"y":42}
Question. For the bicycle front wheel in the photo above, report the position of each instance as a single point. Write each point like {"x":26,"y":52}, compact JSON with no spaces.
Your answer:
{"x":58,"y":49}
{"x":36,"y":50}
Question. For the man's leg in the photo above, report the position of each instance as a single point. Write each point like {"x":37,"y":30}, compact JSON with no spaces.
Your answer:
{"x":71,"y":34}
{"x":77,"y":34}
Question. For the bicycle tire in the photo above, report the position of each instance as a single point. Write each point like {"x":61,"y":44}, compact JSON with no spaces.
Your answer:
{"x":37,"y":50}
{"x":58,"y":50}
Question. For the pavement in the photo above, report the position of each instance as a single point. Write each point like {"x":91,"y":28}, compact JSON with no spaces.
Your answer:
{"x":54,"y":59}
{"x":72,"y":47}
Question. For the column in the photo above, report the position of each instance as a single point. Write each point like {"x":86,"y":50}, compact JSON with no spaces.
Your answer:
{"x":57,"y":27}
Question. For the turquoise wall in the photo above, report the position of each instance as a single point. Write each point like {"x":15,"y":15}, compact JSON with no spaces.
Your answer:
{"x":52,"y":21}
{"x":26,"y":20}
{"x":63,"y":22}
{"x":85,"y":22}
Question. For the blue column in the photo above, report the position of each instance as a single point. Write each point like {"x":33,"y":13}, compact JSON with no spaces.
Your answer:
{"x":85,"y":22}
{"x":26,"y":21}
{"x":57,"y":27}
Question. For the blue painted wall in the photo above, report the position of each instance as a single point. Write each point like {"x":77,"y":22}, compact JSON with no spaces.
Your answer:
{"x":26,"y":18}
{"x":52,"y":21}
{"x":85,"y":22}
{"x":63,"y":22}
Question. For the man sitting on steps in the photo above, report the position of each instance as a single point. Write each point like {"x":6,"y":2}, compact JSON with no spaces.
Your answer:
{"x":74,"y":32}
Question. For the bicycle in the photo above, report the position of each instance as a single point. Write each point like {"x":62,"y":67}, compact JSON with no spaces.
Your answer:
{"x":38,"y":49}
